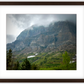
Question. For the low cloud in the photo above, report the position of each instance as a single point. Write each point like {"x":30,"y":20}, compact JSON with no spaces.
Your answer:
{"x":9,"y":38}
{"x":16,"y":23}
{"x":26,"y":20}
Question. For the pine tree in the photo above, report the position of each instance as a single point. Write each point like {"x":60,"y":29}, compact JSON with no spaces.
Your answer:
{"x":9,"y":59}
{"x":66,"y":60}
{"x":16,"y":66}
{"x":34,"y":67}
{"x":26,"y":65}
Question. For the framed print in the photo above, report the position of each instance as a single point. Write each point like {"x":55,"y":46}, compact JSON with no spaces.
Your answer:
{"x":41,"y":42}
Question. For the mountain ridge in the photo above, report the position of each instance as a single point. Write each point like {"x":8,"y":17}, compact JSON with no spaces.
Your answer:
{"x":43,"y":39}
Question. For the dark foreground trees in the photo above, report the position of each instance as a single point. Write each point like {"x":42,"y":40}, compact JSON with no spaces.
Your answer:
{"x":16,"y":66}
{"x":63,"y":64}
{"x":26,"y":65}
{"x":9,"y":60}
{"x":11,"y":64}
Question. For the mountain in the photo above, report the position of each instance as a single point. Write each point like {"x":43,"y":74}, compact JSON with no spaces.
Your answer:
{"x":57,"y":36}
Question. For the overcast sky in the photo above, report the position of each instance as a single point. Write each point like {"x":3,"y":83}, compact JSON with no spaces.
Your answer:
{"x":16,"y":23}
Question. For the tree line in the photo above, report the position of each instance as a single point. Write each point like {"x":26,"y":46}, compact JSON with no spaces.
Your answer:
{"x":12,"y":65}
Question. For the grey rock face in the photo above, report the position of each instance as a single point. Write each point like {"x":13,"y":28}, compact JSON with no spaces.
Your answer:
{"x":46,"y":38}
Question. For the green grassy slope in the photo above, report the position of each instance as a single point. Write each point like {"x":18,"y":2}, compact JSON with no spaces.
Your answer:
{"x":48,"y":60}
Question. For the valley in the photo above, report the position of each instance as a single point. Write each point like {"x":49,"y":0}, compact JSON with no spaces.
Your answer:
{"x":48,"y":60}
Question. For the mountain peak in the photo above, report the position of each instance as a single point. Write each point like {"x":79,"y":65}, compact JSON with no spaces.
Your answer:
{"x":40,"y":38}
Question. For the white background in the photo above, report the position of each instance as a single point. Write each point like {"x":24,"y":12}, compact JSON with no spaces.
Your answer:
{"x":38,"y":74}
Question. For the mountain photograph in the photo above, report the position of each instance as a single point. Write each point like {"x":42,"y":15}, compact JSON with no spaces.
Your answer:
{"x":41,"y":42}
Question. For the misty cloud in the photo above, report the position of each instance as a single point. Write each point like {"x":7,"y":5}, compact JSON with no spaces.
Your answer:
{"x":9,"y":38}
{"x":16,"y":23}
{"x":26,"y":20}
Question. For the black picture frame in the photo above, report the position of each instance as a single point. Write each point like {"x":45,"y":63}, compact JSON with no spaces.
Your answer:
{"x":41,"y":80}
{"x":41,"y":3}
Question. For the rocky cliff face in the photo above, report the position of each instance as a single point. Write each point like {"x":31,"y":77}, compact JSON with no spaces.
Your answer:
{"x":57,"y":36}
